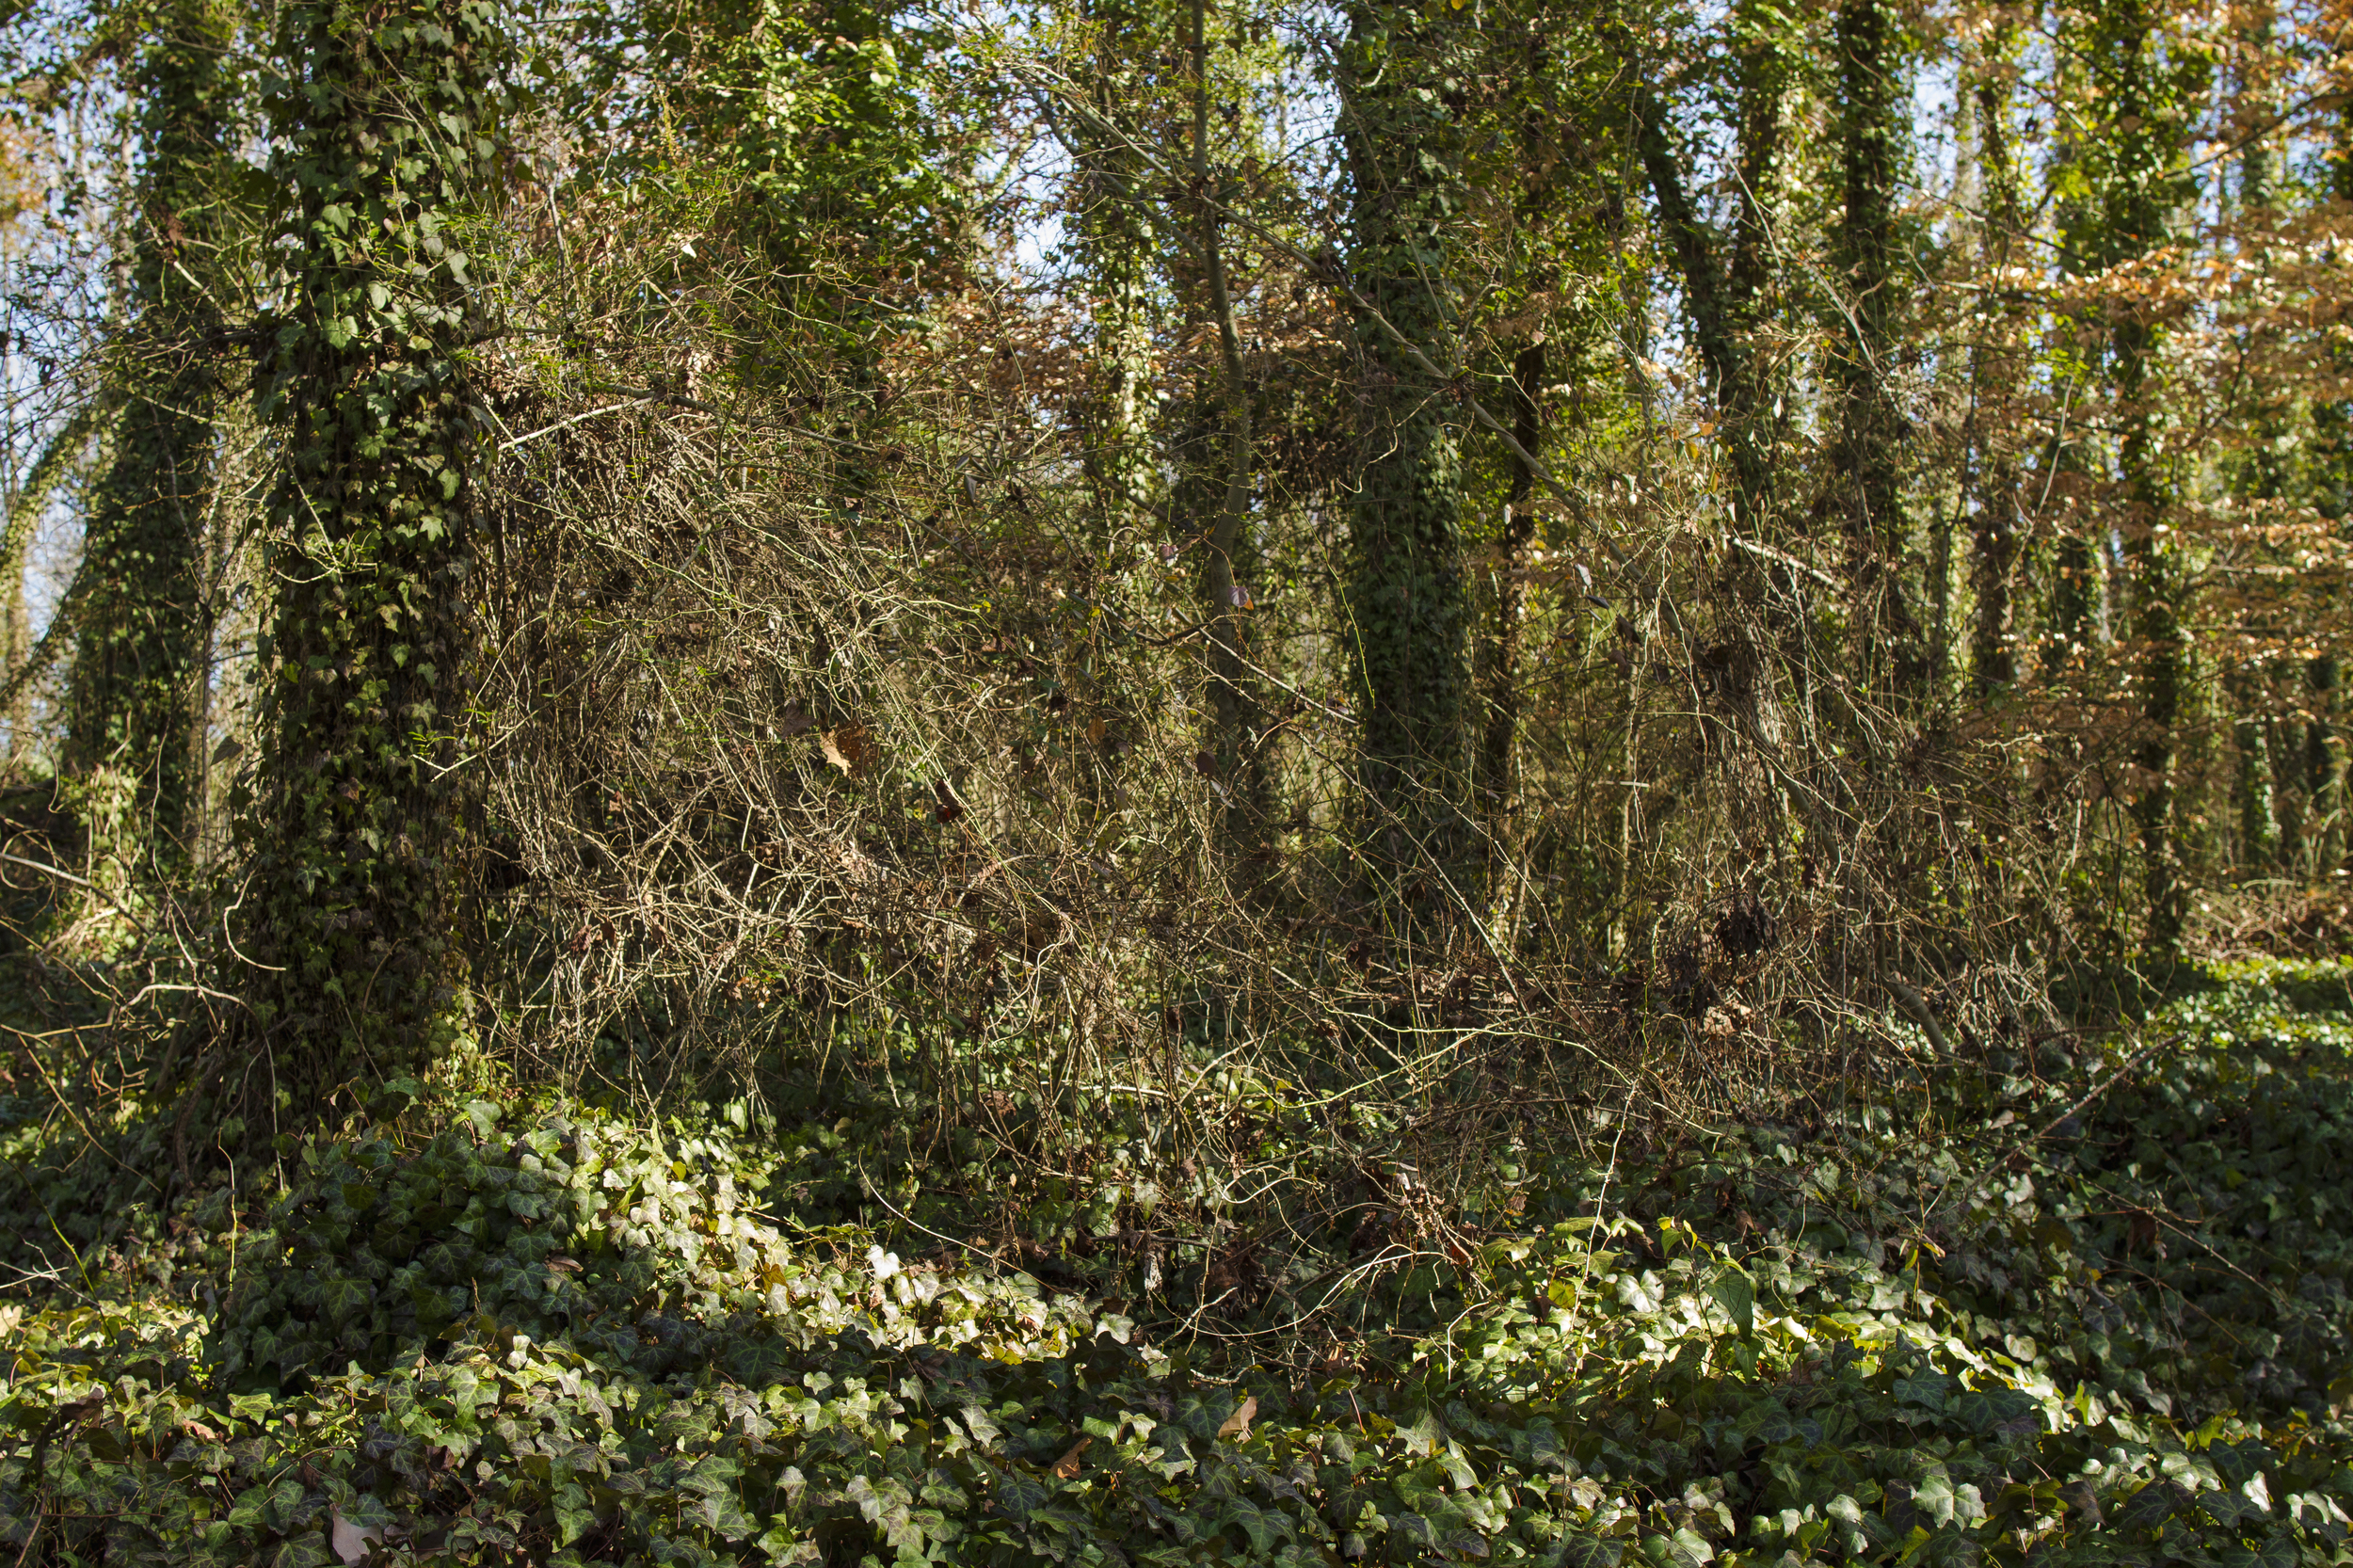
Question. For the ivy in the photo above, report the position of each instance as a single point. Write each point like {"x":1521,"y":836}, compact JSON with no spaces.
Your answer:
{"x":137,"y":619}
{"x":552,"y":1335}
{"x":387,"y":118}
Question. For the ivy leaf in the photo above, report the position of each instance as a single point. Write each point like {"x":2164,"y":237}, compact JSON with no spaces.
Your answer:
{"x":1255,"y":1521}
{"x":1731,"y":1291}
{"x":1933,"y":1495}
{"x":306,"y":1550}
{"x":574,"y":1513}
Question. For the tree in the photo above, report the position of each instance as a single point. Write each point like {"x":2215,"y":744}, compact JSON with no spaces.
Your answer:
{"x":139,"y":613}
{"x":1725,"y":283}
{"x":2136,"y":184}
{"x":2258,"y":477}
{"x":1993,"y":657}
{"x":1115,"y":244}
{"x":1551,"y":164}
{"x":1865,"y":460}
{"x":384,"y":118}
{"x":1232,"y":702}
{"x":1407,"y":602}
{"x":2323,"y":760}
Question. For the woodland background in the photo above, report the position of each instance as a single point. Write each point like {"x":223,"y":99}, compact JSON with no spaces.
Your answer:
{"x":767,"y":761}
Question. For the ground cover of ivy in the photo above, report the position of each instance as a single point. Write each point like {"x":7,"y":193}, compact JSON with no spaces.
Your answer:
{"x":2080,"y":1300}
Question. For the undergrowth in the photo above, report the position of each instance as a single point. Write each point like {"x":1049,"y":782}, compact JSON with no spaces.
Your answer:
{"x":2076,"y":1299}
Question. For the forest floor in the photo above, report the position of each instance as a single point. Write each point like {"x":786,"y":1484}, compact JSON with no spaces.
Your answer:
{"x":2082,"y":1301}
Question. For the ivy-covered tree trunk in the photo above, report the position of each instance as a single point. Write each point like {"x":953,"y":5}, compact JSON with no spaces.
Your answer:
{"x":2140,"y":187}
{"x":2324,"y":766}
{"x":1867,"y":467}
{"x":1500,"y":675}
{"x":1115,"y":242}
{"x":137,"y":615}
{"x":1232,"y":699}
{"x":2324,"y":759}
{"x":2258,"y":474}
{"x":2258,"y":813}
{"x":1723,"y":301}
{"x":1726,"y":291}
{"x":1994,"y":656}
{"x":385,"y":122}
{"x":1408,"y":599}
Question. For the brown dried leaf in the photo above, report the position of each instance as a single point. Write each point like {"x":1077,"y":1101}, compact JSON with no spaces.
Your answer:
{"x":1237,"y":1426}
{"x":851,"y":749}
{"x":1067,"y":1466}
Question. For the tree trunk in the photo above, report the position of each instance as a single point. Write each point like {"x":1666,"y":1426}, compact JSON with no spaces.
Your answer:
{"x":1993,"y":655}
{"x":1871,"y":427}
{"x":139,"y":617}
{"x":385,"y":126}
{"x":1408,"y":604}
{"x":2324,"y":769}
{"x":1233,"y":706}
{"x":2323,"y":762}
{"x":1115,"y":237}
{"x":2258,"y":813}
{"x":1726,"y":304}
{"x":1722,"y":302}
{"x":1501,"y":677}
{"x":2134,"y":209}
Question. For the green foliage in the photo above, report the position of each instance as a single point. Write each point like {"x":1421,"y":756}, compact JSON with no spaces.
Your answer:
{"x":828,"y":124}
{"x":1921,"y":1329}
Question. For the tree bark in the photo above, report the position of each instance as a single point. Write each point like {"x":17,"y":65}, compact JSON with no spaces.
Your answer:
{"x":1115,"y":236}
{"x":2136,"y":207}
{"x":1992,"y":656}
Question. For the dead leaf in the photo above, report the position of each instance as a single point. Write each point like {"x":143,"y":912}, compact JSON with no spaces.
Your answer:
{"x":563,"y":1265}
{"x":1237,"y":1426}
{"x":793,"y":720}
{"x":197,"y":1428}
{"x":851,"y":749}
{"x":81,"y":1409}
{"x":351,"y":1542}
{"x":1067,"y":1466}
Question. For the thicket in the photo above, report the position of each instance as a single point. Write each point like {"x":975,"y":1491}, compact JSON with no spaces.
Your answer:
{"x":835,"y":781}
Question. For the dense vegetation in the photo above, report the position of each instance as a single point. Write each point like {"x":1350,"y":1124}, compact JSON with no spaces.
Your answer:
{"x":847,"y":780}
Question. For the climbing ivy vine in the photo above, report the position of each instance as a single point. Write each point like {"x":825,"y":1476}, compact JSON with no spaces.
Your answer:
{"x":139,"y":616}
{"x":1408,"y":595}
{"x":385,"y":117}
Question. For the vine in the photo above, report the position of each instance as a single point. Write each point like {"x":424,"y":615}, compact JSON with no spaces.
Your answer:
{"x":384,"y":118}
{"x":137,"y":617}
